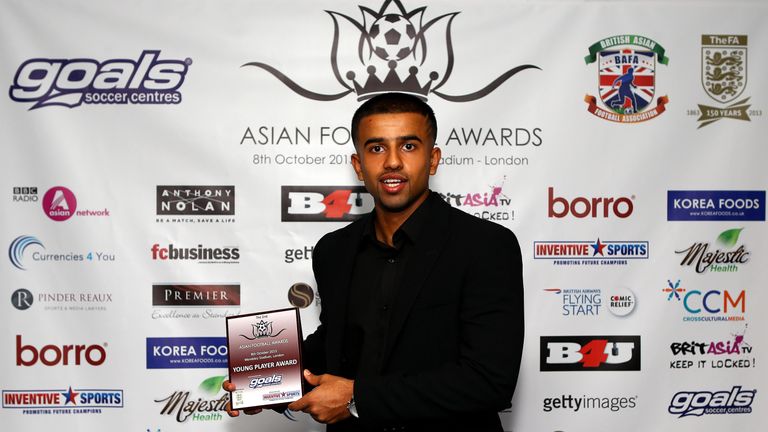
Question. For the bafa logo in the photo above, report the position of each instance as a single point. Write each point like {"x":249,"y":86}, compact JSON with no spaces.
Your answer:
{"x":589,"y":353}
{"x":324,"y":203}
{"x":391,"y":56}
{"x":72,"y":82}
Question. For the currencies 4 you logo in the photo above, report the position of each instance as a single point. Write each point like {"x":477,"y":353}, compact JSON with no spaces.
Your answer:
{"x":17,"y":248}
{"x":392,"y":45}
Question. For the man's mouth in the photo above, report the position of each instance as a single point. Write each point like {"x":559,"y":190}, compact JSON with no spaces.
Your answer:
{"x":393,"y":184}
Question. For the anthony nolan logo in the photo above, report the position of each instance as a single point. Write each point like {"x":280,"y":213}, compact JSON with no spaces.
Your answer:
{"x":589,"y":353}
{"x":324,"y":203}
{"x":196,"y":204}
{"x":63,"y":401}
{"x":585,"y":253}
{"x":626,"y":78}
{"x":724,"y":78}
{"x":391,"y":56}
{"x":72,"y":82}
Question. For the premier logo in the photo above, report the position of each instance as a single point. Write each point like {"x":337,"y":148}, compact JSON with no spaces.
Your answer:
{"x":324,"y":203}
{"x":589,"y":353}
{"x":72,"y":82}
{"x":201,"y":254}
{"x":698,"y":403}
{"x":581,"y":207}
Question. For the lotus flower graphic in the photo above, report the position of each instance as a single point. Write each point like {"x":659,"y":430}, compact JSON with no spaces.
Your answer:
{"x":391,"y":56}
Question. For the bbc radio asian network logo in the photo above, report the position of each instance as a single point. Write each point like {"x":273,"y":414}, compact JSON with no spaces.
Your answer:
{"x":387,"y":51}
{"x":626,"y":78}
{"x":60,"y":204}
{"x":70,"y":83}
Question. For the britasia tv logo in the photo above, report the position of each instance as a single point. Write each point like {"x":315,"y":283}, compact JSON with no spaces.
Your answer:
{"x":72,"y":82}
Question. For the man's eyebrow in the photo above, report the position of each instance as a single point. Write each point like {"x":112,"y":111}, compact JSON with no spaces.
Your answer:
{"x":378,"y":140}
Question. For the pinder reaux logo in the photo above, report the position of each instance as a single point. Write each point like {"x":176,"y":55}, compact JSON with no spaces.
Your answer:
{"x":17,"y":248}
{"x":391,"y":54}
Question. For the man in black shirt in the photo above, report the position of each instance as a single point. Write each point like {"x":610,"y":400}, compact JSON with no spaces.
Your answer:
{"x":421,"y":326}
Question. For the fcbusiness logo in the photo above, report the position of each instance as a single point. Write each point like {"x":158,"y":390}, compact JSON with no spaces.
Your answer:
{"x":324,"y":203}
{"x":186,"y":352}
{"x":589,"y":353}
{"x":714,"y":205}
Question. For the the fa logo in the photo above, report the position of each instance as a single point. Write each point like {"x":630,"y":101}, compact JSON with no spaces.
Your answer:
{"x":589,"y":353}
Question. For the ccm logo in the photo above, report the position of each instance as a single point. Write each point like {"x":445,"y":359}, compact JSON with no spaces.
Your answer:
{"x":589,"y":353}
{"x":582,"y":207}
{"x":52,"y":355}
{"x":324,"y":203}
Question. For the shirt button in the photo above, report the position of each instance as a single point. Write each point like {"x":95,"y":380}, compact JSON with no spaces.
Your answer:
{"x":385,"y":307}
{"x":391,"y":260}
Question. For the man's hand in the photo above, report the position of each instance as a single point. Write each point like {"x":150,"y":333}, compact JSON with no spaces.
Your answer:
{"x":327,"y":402}
{"x":228,"y":386}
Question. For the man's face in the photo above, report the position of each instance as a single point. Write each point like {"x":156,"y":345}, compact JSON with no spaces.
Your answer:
{"x":395,"y":157}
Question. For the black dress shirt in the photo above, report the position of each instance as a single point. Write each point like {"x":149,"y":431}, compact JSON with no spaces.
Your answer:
{"x":376,"y":279}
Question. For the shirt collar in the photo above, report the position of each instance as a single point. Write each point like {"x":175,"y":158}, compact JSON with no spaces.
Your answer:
{"x":410,"y":229}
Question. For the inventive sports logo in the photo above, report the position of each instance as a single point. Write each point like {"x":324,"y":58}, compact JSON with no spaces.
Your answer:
{"x":147,"y":80}
{"x":586,"y":253}
{"x":63,"y":401}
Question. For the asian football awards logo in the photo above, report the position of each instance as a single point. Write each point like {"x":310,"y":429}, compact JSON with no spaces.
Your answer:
{"x":626,"y":78}
{"x":392,"y":45}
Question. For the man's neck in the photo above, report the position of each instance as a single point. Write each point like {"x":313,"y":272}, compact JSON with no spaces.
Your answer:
{"x":386,"y":223}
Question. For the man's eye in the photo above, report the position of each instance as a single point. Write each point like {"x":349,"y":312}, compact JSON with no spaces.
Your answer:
{"x":409,"y":146}
{"x":377,"y":148}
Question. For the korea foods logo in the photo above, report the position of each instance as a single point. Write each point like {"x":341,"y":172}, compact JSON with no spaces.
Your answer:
{"x":73,"y":82}
{"x":626,"y":78}
{"x":715,"y":205}
{"x":390,"y":49}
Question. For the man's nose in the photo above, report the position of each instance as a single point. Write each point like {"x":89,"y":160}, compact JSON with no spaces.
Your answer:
{"x":393,"y":160}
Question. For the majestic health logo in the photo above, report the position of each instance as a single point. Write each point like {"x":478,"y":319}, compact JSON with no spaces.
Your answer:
{"x":186,"y":352}
{"x":581,"y":207}
{"x":726,"y":260}
{"x":724,"y":78}
{"x":714,"y":205}
{"x":324,"y":203}
{"x":183,"y":407}
{"x":589,"y":353}
{"x":391,"y":56}
{"x":626,"y":78}
{"x":697,"y":403}
{"x":578,"y":253}
{"x":17,"y":248}
{"x":707,"y":306}
{"x":72,"y":82}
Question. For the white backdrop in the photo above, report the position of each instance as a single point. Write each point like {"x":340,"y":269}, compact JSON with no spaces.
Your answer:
{"x":114,"y":157}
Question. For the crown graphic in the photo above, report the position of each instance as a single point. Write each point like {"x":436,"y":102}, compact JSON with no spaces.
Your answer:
{"x":392,"y":82}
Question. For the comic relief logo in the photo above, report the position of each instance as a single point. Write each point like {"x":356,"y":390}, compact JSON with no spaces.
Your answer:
{"x":578,"y":302}
{"x":726,"y":260}
{"x":60,"y":204}
{"x":731,"y":353}
{"x":698,"y":403}
{"x":581,"y":207}
{"x":195,"y":203}
{"x":63,"y":401}
{"x":707,"y":306}
{"x":587,"y":253}
{"x":626,"y":78}
{"x":193,"y":301}
{"x":186,"y":352}
{"x":387,"y":52}
{"x":491,"y":204}
{"x":724,"y":79}
{"x":53,"y":355}
{"x":200,"y":254}
{"x":72,"y":82}
{"x":712,"y":205}
{"x":324,"y":203}
{"x":589,"y":353}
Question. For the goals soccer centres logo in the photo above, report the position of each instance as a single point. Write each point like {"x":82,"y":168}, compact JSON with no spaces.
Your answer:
{"x":392,"y":46}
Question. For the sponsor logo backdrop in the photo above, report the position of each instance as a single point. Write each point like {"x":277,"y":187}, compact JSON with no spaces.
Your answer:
{"x":169,"y":164}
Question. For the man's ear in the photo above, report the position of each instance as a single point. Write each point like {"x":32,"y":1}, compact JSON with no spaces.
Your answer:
{"x":434,"y":159}
{"x":357,"y":166}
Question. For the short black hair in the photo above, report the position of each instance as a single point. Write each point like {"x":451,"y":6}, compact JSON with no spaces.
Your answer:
{"x":394,"y":103}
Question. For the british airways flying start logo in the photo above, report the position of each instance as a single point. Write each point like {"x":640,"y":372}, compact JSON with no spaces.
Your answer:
{"x":72,"y":82}
{"x":391,"y":56}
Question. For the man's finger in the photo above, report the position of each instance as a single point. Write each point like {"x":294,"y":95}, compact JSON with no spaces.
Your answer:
{"x":300,"y":404}
{"x":252,"y":411}
{"x":228,"y":386}
{"x":311,"y":378}
{"x":230,"y":411}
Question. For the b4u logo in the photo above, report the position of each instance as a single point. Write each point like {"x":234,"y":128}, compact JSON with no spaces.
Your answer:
{"x":324,"y":203}
{"x":590,"y":353}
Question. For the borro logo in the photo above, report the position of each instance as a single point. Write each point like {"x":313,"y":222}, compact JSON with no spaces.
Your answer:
{"x":51,"y":355}
{"x":72,"y":82}
{"x":581,"y":207}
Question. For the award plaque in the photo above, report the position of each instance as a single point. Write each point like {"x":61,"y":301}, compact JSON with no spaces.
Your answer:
{"x":265,"y":358}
